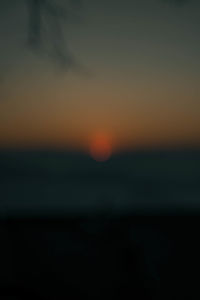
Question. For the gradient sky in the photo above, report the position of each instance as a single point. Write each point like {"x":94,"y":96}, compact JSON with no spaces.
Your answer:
{"x":137,"y":79}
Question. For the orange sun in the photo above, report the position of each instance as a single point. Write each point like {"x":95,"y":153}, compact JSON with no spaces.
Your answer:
{"x":100,"y":148}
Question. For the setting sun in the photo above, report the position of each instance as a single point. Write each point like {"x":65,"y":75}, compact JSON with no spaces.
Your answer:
{"x":100,"y":148}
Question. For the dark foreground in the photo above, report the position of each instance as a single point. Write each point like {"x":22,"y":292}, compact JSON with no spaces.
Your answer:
{"x":71,"y":228}
{"x":101,"y":257}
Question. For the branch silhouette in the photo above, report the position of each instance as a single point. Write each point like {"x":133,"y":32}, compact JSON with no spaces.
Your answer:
{"x":46,"y":19}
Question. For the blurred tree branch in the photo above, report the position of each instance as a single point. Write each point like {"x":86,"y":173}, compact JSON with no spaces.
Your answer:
{"x":45,"y":19}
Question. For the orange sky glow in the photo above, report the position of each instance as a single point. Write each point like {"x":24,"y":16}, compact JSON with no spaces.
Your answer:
{"x":141,"y":90}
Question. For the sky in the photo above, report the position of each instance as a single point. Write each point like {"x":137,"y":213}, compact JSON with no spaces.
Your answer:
{"x":134,"y":77}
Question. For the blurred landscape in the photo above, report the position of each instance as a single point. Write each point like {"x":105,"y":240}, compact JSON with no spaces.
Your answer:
{"x":72,"y":228}
{"x":105,"y":220}
{"x":58,"y":183}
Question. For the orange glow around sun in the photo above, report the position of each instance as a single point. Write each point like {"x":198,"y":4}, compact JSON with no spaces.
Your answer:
{"x":100,"y":148}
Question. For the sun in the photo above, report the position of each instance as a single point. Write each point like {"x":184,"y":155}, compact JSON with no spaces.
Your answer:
{"x":100,"y":147}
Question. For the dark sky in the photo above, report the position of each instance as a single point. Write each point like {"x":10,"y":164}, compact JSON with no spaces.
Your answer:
{"x":135,"y":76}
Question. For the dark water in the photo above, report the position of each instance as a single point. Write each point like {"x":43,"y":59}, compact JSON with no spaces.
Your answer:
{"x":71,"y":228}
{"x":58,"y":183}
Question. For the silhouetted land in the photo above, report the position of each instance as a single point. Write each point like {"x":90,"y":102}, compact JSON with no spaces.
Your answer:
{"x":72,"y":228}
